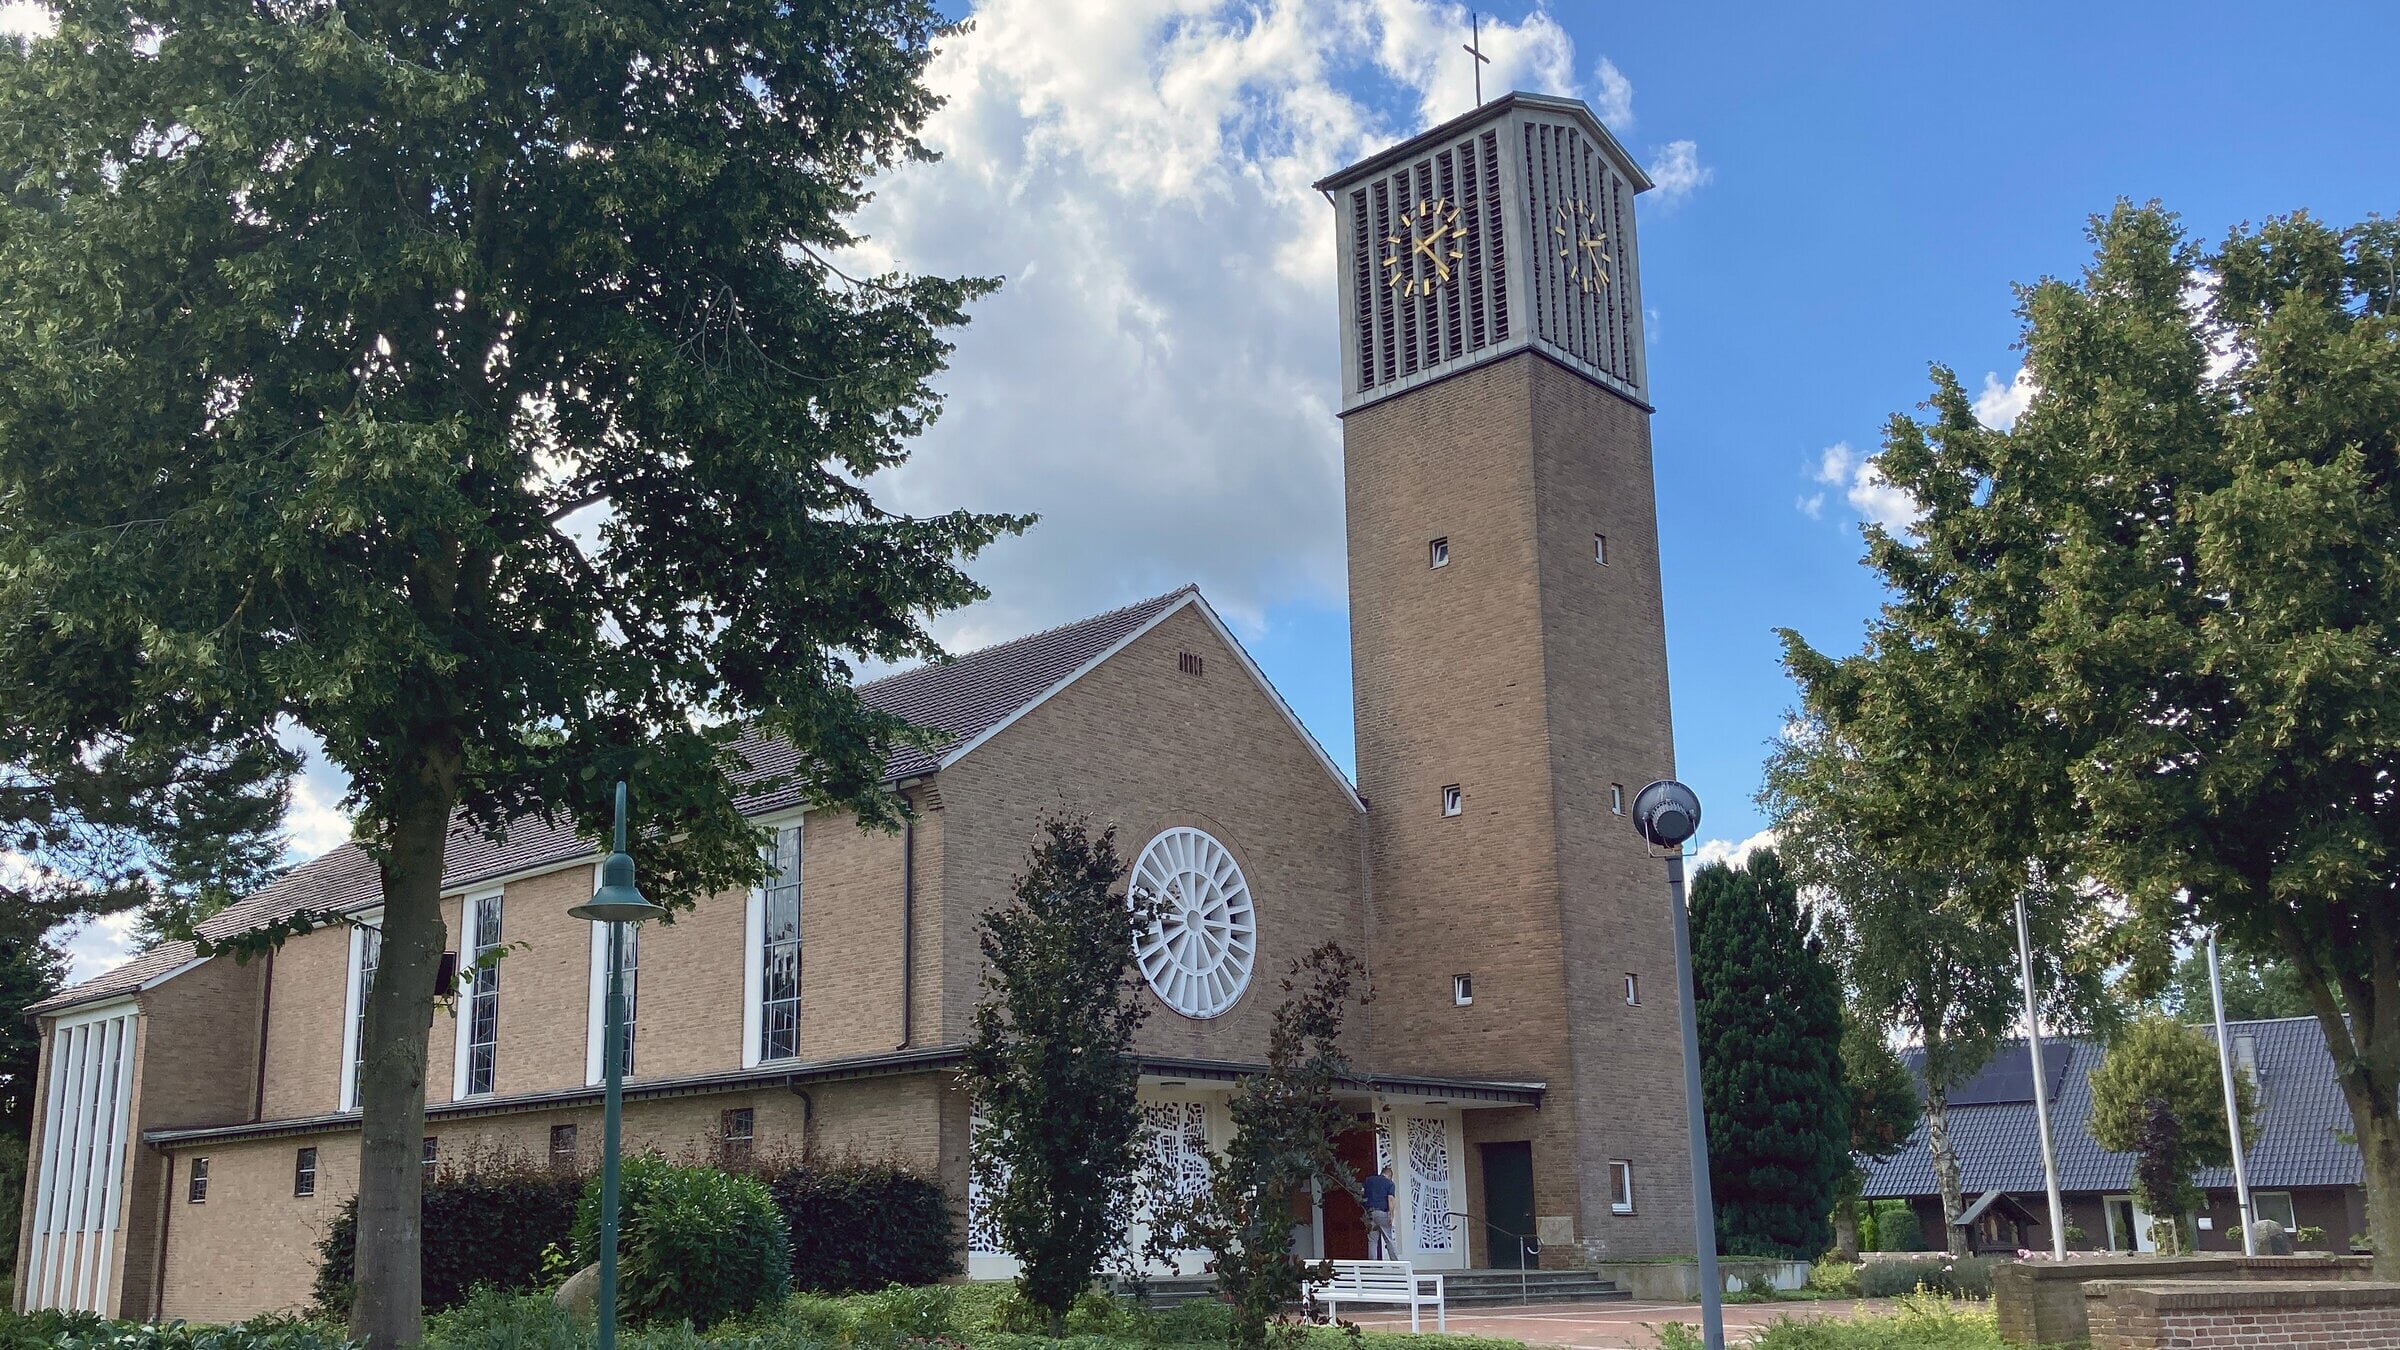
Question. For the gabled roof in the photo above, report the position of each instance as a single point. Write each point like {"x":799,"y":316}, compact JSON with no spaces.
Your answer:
{"x":2304,"y":1125}
{"x":968,"y":698}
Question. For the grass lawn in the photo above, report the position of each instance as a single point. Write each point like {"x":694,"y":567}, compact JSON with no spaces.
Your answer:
{"x":970,"y":1317}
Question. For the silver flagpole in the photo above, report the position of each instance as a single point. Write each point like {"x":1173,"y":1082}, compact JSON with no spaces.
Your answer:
{"x":2233,"y":1109}
{"x":2041,"y":1089}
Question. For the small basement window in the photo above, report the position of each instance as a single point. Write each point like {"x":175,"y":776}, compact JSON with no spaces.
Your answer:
{"x":1633,"y":990}
{"x":1620,"y":1186}
{"x":1600,"y":549}
{"x":1437,"y":553}
{"x":739,"y":1125}
{"x":1454,"y":801}
{"x":563,"y":1146}
{"x":1616,"y":799}
{"x":432,"y":1155}
{"x":1462,"y":990}
{"x":198,"y":1194}
{"x":304,"y":1172}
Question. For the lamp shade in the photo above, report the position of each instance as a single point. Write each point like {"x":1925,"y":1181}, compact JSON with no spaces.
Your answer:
{"x":618,"y":900}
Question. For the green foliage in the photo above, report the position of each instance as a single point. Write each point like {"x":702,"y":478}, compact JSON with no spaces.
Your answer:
{"x":1051,"y":1067}
{"x":1897,"y":1229}
{"x":857,"y":1224}
{"x":1957,"y":1276}
{"x":1830,"y":1276}
{"x":1286,"y":1122}
{"x":2159,"y":1094}
{"x":1770,"y":1014}
{"x":470,"y":390}
{"x":1929,"y":1321}
{"x":2139,"y":641}
{"x":2256,"y":988}
{"x":31,"y":969}
{"x":53,"y":1331}
{"x":1883,"y":1098}
{"x":693,"y":1243}
{"x":488,"y":1225}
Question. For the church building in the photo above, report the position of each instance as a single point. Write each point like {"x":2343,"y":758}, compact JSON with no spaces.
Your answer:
{"x":1519,"y":1070}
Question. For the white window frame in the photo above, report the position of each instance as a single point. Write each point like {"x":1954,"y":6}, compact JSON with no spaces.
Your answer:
{"x":1437,"y":552}
{"x":1600,"y":549}
{"x":754,"y":943}
{"x":462,"y":1004}
{"x":1462,"y":990}
{"x":75,"y":1185}
{"x":1454,"y":800}
{"x":1620,"y":1167}
{"x":1616,"y":799}
{"x":1633,"y":989}
{"x":2258,"y":1208}
{"x":354,"y":1004}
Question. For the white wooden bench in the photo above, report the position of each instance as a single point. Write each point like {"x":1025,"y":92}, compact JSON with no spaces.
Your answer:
{"x":1382,"y":1282}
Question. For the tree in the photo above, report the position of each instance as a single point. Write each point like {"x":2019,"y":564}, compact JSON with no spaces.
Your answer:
{"x":1770,"y":1014}
{"x":471,"y":388}
{"x":1286,"y":1123}
{"x":30,"y":971}
{"x":2139,"y":639}
{"x":1051,"y":1066}
{"x":1883,"y":1114}
{"x":2255,"y":989}
{"x":2159,"y":1094}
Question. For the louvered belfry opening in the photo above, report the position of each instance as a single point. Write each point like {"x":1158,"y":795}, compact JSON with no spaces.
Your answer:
{"x":1410,"y":316}
{"x":1512,"y":226}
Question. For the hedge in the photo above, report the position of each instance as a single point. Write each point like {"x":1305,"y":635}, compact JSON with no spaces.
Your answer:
{"x":860,"y":1226}
{"x":694,"y":1244}
{"x":487,"y":1225}
{"x":1962,"y":1277}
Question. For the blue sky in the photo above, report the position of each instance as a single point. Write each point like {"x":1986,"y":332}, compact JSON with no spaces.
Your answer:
{"x":1851,"y":191}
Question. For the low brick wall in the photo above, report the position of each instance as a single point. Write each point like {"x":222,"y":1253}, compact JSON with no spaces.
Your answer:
{"x":2042,"y":1302}
{"x":2345,"y":1315}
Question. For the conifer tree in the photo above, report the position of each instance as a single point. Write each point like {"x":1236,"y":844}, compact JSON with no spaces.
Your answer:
{"x":1051,"y":1065}
{"x":1770,"y":1013}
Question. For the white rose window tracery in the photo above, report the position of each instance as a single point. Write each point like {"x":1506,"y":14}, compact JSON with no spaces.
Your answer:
{"x":1198,"y":954}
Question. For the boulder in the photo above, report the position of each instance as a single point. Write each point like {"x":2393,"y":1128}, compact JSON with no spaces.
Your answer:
{"x":580,"y":1296}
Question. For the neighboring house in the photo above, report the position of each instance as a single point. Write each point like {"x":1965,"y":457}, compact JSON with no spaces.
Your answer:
{"x":2304,"y":1168}
{"x":1520,"y":1064}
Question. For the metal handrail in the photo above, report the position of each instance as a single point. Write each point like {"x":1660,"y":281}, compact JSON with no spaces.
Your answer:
{"x":1527,"y":1248}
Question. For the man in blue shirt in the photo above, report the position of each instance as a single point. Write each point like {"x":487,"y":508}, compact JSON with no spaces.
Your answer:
{"x":1376,"y":1190}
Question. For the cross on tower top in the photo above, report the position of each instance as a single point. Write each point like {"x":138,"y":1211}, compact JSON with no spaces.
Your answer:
{"x":1475,"y":49}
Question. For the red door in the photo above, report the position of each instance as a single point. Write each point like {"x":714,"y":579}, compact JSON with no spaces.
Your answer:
{"x":1345,"y":1226}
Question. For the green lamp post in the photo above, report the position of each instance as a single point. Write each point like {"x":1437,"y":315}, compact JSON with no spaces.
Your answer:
{"x":619,"y":904}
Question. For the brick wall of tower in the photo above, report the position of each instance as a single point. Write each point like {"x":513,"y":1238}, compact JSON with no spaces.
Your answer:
{"x":1532,"y":677}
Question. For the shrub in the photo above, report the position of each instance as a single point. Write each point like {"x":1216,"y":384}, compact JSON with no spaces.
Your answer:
{"x":1896,"y":1230}
{"x":864,"y":1225}
{"x":694,"y":1244}
{"x":491,"y":1320}
{"x":1921,"y":1322}
{"x":485,"y":1224}
{"x":261,"y":1333}
{"x":1834,"y":1277}
{"x":1964,"y":1277}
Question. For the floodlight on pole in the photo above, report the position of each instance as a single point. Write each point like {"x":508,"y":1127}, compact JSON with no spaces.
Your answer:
{"x":1668,"y":814}
{"x":619,"y":903}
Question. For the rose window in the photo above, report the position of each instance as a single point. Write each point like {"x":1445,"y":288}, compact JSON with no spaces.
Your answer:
{"x":1198,"y":954}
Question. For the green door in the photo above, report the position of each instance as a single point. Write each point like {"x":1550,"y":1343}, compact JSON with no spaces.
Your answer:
{"x":1508,"y":1203}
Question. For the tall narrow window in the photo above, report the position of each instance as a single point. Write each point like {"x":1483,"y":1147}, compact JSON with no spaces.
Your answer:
{"x":1600,"y":549}
{"x":778,"y":953}
{"x":304,"y":1172}
{"x":1633,"y":990}
{"x":596,"y":1013}
{"x":631,"y":986}
{"x":1620,"y":1186}
{"x":199,"y":1188}
{"x":432,"y":1156}
{"x":1616,"y":799}
{"x":563,"y":1154}
{"x":481,"y":1025}
{"x":366,"y":951}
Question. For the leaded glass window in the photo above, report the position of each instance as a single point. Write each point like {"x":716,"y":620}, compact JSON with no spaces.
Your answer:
{"x":779,"y":949}
{"x":483,"y":997}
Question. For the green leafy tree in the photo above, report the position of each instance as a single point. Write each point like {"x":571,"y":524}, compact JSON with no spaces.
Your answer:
{"x":1286,"y":1124}
{"x":2255,"y":989}
{"x":30,"y":971}
{"x":2159,"y":1094}
{"x":471,"y":388}
{"x":1051,"y":1065}
{"x":1770,"y":1012}
{"x":2139,"y":641}
{"x":1883,"y":1114}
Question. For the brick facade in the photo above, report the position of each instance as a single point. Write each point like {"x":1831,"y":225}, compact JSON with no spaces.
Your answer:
{"x":1533,"y":677}
{"x":2041,"y":1302}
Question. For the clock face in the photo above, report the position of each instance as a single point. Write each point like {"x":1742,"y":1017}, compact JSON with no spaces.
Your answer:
{"x":1582,"y":246}
{"x":1429,"y":229}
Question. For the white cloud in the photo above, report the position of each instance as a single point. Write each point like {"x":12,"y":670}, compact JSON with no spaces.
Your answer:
{"x":96,"y":945}
{"x":2000,"y":405}
{"x":1678,"y":172}
{"x":1157,"y":377}
{"x":1733,"y":853}
{"x":1613,"y":102}
{"x":1862,"y":484}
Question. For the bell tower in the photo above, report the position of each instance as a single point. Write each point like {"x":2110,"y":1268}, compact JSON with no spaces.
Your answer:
{"x":1508,"y":649}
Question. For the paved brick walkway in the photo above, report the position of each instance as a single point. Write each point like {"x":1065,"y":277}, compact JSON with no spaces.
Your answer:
{"x":1607,"y":1326}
